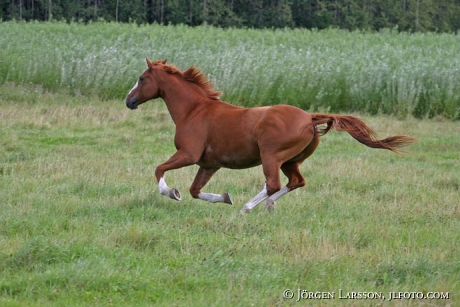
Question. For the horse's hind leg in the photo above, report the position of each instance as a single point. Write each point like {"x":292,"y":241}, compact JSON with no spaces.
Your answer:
{"x":272,"y":186}
{"x":201,"y":178}
{"x":251,"y":204}
{"x":291,"y":170}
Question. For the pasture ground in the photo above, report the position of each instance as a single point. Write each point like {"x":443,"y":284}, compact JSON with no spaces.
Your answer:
{"x":82,"y":222}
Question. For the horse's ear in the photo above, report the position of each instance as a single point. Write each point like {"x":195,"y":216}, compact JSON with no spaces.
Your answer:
{"x":164,"y":61}
{"x":149,"y":64}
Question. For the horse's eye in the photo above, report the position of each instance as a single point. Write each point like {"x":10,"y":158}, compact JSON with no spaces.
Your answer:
{"x":141,"y":79}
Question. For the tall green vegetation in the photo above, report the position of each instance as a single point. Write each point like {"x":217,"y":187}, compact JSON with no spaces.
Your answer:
{"x":332,"y":70}
{"x":408,"y":15}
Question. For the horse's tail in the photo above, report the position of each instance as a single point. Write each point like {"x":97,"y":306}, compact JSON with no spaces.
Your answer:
{"x":359,"y":131}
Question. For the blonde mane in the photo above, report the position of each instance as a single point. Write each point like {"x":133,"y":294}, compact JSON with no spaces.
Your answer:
{"x":193,"y":75}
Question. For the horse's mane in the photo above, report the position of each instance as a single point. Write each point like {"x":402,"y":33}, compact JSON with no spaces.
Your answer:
{"x":193,"y":75}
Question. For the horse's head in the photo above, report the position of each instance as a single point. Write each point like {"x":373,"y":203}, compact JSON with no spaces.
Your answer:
{"x":146,"y":87}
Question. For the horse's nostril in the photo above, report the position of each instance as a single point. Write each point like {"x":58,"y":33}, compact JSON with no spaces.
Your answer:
{"x":131,"y":103}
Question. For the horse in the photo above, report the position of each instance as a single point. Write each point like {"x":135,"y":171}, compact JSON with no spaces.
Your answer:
{"x":214,"y":134}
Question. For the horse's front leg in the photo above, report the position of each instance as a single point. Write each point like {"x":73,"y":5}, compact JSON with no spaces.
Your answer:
{"x":201,"y":178}
{"x":178,"y":160}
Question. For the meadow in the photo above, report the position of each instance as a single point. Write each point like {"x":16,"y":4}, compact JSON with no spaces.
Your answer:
{"x":333,"y":70}
{"x":81,"y":219}
{"x":82,"y":222}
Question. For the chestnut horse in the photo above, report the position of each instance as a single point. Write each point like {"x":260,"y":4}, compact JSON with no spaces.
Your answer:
{"x":214,"y":134}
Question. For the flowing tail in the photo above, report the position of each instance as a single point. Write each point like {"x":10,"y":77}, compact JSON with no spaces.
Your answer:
{"x":360,"y":131}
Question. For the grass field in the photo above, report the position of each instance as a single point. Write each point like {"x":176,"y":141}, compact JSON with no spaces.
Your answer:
{"x":332,"y":70}
{"x":82,"y":222}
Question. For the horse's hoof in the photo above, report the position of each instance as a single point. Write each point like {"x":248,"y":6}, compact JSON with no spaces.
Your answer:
{"x":270,"y":205}
{"x":227,"y":198}
{"x":175,"y":194}
{"x":244,"y":211}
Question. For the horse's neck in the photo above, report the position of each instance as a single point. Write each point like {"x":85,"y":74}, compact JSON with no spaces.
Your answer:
{"x":181,"y":99}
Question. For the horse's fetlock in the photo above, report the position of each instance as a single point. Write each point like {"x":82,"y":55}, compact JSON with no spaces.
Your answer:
{"x":273,"y":189}
{"x":194,"y":193}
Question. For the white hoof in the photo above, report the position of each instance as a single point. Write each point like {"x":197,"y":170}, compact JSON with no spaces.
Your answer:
{"x":270,"y":204}
{"x":245,"y":211}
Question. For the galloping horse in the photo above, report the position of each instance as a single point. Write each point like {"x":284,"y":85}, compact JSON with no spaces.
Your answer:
{"x":213,"y":134}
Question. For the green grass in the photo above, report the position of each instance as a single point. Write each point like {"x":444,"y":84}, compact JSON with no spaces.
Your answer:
{"x":334,"y":70}
{"x":82,"y":222}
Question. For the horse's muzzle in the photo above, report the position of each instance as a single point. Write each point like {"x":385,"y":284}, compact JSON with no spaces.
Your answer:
{"x":131,"y":103}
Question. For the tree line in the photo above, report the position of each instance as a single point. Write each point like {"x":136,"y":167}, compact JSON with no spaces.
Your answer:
{"x":406,"y":15}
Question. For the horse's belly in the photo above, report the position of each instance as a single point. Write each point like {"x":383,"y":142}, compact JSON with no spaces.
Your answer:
{"x":235,"y":159}
{"x":238,"y":162}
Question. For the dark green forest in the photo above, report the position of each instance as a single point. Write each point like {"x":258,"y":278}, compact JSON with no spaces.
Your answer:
{"x":405,"y":15}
